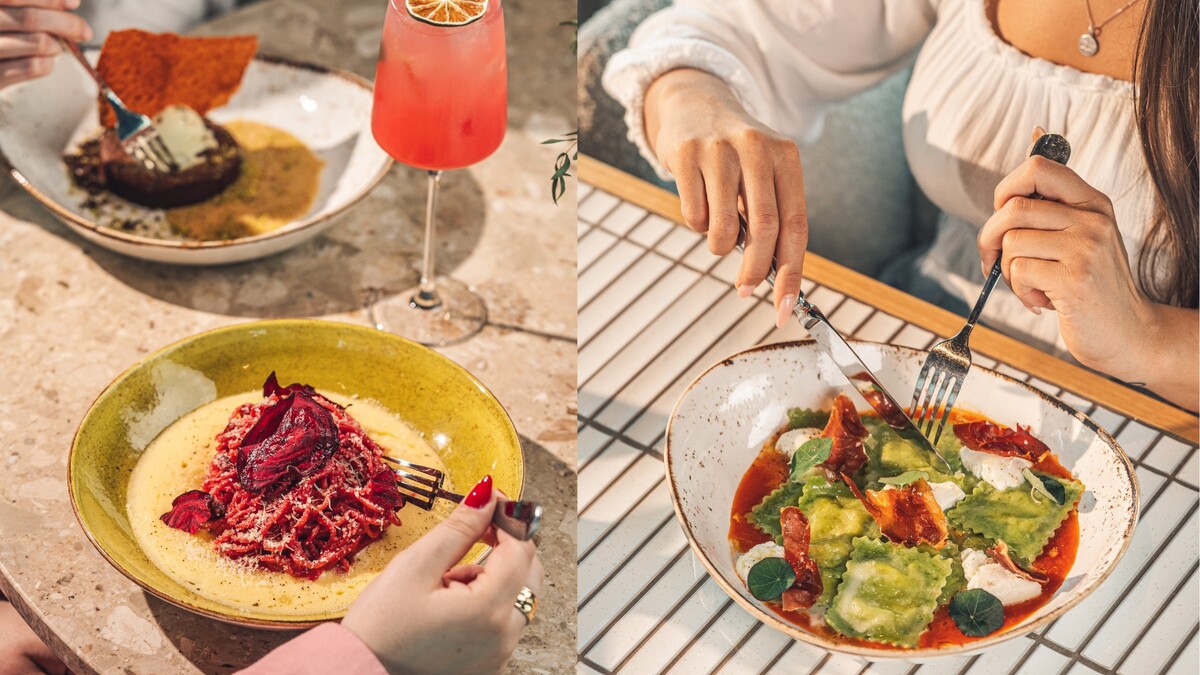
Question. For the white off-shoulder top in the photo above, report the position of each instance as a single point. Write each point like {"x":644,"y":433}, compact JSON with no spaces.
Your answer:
{"x":969,"y":109}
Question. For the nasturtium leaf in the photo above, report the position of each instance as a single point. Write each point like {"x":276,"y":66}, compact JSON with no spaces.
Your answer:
{"x":805,"y":418}
{"x":808,"y":455}
{"x":976,"y":612}
{"x":769,"y":578}
{"x":1039,"y":485}
{"x":905,"y":478}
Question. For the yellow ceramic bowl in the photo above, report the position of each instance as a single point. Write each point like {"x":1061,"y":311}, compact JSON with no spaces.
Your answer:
{"x":431,"y":393}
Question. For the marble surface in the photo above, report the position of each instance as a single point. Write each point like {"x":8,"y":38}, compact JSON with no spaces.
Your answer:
{"x":73,"y":317}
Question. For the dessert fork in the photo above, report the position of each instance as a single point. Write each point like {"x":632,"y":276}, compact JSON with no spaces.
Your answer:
{"x":519,"y":518}
{"x":137,"y":134}
{"x":950,"y":360}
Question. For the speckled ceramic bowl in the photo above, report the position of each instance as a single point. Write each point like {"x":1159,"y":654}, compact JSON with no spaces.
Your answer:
{"x":726,"y":415}
{"x":453,"y":410}
{"x":329,"y":110}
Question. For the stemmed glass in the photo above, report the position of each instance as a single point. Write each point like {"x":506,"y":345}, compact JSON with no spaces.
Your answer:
{"x":441,"y":103}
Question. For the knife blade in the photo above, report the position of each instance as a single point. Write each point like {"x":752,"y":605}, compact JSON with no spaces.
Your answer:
{"x":839,"y":351}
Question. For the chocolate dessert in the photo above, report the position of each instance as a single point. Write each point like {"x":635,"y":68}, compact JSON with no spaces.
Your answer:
{"x":176,"y":81}
{"x":102,"y":164}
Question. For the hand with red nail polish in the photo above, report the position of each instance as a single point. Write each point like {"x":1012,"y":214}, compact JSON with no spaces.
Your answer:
{"x":480,"y":494}
{"x":423,"y":615}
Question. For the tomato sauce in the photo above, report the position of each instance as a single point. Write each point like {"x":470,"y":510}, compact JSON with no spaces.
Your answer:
{"x":768,"y":471}
{"x":771,"y":468}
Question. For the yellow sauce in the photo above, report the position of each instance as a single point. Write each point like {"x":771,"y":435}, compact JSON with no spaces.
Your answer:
{"x":177,"y":461}
{"x":278,"y":184}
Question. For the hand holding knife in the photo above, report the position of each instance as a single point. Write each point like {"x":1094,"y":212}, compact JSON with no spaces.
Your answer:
{"x":843,"y":356}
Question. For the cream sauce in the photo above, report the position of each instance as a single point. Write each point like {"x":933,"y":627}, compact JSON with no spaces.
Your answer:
{"x":177,"y":461}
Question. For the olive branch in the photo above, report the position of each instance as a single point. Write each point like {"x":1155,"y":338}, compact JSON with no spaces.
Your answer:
{"x":562,"y":164}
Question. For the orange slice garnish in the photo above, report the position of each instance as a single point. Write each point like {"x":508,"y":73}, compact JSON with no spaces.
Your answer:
{"x":447,"y":12}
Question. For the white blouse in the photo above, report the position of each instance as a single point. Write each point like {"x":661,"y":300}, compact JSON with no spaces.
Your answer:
{"x":968,"y":112}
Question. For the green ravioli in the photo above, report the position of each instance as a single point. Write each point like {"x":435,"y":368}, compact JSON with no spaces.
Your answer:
{"x":888,"y":593}
{"x":1017,"y":516}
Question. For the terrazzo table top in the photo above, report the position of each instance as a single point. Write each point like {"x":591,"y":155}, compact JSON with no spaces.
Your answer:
{"x":74,"y":316}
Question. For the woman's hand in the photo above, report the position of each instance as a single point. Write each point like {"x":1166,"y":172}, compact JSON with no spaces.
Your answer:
{"x":1064,"y":253}
{"x":29,"y":32}
{"x":719,"y":154}
{"x":21,"y":651}
{"x":422,"y":615}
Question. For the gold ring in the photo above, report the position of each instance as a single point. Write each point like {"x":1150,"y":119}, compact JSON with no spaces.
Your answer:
{"x":526,"y":603}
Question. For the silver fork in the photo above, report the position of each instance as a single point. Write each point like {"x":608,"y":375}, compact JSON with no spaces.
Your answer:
{"x":519,"y":518}
{"x":950,"y":360}
{"x":137,"y":134}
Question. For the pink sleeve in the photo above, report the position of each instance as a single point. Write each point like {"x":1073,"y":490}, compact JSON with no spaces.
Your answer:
{"x":328,"y":648}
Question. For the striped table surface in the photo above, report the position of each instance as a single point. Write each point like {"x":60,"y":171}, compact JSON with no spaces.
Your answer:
{"x":655,"y":310}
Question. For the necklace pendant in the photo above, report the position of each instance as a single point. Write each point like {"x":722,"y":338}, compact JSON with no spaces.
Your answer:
{"x":1088,"y":45}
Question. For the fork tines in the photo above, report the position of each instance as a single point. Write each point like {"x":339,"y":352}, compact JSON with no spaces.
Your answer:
{"x":148,"y":148}
{"x":428,"y":482}
{"x":926,"y":404}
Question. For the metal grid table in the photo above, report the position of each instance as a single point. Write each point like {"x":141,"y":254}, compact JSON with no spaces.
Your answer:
{"x":655,"y":310}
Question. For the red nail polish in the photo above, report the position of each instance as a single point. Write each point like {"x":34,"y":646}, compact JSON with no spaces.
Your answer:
{"x":480,"y":494}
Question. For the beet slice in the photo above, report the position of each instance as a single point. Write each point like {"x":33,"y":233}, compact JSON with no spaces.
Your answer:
{"x":294,"y":437}
{"x":271,"y":386}
{"x":192,"y":509}
{"x":382,"y":490}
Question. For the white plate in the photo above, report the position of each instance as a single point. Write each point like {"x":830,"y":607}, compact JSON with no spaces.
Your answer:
{"x":329,"y":110}
{"x":725,"y":416}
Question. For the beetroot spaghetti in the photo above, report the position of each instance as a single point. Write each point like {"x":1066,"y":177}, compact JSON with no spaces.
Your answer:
{"x":296,"y":486}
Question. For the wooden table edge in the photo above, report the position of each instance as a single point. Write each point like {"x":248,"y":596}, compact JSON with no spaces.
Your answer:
{"x":1070,"y":377}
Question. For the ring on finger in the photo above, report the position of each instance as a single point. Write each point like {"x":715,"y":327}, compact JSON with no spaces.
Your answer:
{"x":526,"y":603}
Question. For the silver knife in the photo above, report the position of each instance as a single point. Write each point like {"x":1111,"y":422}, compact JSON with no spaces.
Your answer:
{"x":843,"y":356}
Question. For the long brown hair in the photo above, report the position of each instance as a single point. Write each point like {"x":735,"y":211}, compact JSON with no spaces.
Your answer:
{"x":1165,"y":108}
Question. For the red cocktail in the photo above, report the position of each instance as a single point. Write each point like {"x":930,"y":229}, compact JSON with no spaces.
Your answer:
{"x":441,"y":102}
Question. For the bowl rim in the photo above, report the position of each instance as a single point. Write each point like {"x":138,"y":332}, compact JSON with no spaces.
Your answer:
{"x":797,"y":633}
{"x":74,"y":220}
{"x":255,"y":622}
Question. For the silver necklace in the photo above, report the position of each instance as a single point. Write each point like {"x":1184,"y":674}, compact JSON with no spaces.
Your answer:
{"x":1089,"y":42}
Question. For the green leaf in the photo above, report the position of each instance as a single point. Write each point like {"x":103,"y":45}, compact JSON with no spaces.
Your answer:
{"x":766,"y":514}
{"x":977,"y":612}
{"x":905,"y":478}
{"x":769,"y":578}
{"x":810,"y":454}
{"x":1055,"y":488}
{"x":805,"y":418}
{"x":1039,"y":486}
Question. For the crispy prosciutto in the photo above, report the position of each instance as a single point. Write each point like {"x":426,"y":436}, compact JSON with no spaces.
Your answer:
{"x":846,"y":429}
{"x":907,"y":515}
{"x":808,"y":586}
{"x":984,"y":436}
{"x":999,"y":553}
{"x":885,"y":406}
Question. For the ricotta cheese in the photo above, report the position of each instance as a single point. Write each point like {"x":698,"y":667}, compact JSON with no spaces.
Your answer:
{"x":767,"y":549}
{"x":996,"y":470}
{"x":983,"y":572}
{"x":791,"y":441}
{"x":947,"y":494}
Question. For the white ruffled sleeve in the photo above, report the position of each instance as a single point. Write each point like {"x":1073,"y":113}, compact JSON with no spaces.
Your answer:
{"x":784,"y":60}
